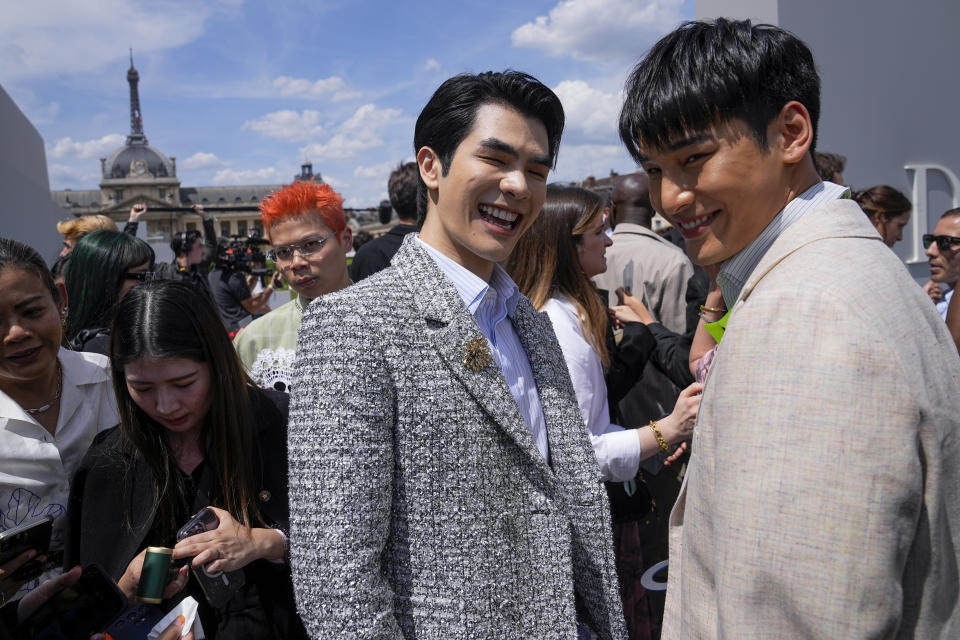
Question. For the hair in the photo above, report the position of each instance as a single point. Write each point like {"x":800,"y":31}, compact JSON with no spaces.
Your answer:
{"x":450,"y":113}
{"x":59,"y":267}
{"x":165,"y":319}
{"x":704,"y":74}
{"x":297,"y":199}
{"x":545,"y":260}
{"x":78,"y":227}
{"x":384,"y":212}
{"x":883,"y":201}
{"x":828,"y":164}
{"x":95,"y":275}
{"x":183,"y":241}
{"x":950,"y":212}
{"x":361,"y":238}
{"x":402,"y":189}
{"x":17,"y":255}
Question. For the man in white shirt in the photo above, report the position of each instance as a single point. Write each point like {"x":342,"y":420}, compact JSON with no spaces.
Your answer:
{"x":441,"y":482}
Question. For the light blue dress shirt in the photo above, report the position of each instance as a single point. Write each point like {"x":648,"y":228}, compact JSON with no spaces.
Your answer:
{"x":492,"y":304}
{"x":735,"y":272}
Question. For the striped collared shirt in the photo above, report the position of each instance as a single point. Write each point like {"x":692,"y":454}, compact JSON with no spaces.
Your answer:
{"x":736,"y":271}
{"x":491,"y":304}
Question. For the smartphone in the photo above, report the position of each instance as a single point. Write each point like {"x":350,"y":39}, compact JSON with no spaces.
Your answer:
{"x":77,"y":612}
{"x":217,"y":586}
{"x":136,"y":623}
{"x":32,"y":535}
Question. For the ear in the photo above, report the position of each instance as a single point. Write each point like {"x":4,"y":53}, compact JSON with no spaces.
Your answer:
{"x":62,"y":290}
{"x":794,"y":130}
{"x":430,"y":167}
{"x":346,"y":239}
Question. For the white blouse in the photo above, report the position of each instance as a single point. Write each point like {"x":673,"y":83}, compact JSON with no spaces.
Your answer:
{"x":617,"y":449}
{"x":36,"y":467}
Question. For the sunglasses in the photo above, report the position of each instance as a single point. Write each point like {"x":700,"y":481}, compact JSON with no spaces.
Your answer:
{"x":944,"y":243}
{"x":141,"y":276}
{"x":284,"y":252}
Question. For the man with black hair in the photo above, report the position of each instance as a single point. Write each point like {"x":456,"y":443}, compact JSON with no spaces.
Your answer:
{"x":376,"y":254}
{"x":193,"y":254}
{"x":830,"y":166}
{"x":441,"y":482}
{"x":821,"y":498}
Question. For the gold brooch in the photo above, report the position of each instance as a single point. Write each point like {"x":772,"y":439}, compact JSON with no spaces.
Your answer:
{"x":477,"y":356}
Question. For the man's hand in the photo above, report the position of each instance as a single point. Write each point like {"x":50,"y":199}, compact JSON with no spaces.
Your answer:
{"x":933,"y":290}
{"x":137,"y":211}
{"x":198,"y":209}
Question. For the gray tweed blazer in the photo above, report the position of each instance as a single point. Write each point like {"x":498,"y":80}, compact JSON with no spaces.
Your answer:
{"x":419,"y":505}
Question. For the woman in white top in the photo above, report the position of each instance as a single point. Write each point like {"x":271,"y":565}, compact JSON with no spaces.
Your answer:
{"x":552,"y":265}
{"x":52,"y":403}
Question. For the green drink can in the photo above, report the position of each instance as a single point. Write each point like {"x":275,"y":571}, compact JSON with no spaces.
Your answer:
{"x":153,"y":576}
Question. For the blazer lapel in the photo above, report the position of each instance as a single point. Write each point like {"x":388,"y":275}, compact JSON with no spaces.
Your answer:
{"x":451,"y":327}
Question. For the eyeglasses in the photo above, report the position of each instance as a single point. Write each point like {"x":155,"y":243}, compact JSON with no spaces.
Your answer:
{"x":140,"y":275}
{"x":944,"y":243}
{"x":284,"y":252}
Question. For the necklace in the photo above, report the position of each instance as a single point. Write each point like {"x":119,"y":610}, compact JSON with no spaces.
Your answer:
{"x":46,"y":407}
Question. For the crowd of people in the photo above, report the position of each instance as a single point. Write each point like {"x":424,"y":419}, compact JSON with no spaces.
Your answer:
{"x":503,"y":417}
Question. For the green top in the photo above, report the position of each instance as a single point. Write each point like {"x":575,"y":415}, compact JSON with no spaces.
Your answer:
{"x":267,"y":346}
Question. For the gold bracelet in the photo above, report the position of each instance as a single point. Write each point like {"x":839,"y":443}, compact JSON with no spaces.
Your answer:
{"x":704,"y":307}
{"x":656,"y":434}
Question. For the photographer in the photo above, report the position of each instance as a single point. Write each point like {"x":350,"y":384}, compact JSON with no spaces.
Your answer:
{"x":230,"y":282}
{"x":193,"y":255}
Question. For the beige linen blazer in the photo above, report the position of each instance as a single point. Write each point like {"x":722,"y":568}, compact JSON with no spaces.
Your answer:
{"x":823,"y":495}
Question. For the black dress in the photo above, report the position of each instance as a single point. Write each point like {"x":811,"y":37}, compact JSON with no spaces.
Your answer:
{"x":111,"y":518}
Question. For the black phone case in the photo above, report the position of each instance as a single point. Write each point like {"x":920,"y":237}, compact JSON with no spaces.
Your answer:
{"x":217,"y":587}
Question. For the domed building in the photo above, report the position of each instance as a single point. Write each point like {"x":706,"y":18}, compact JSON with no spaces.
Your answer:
{"x":138,"y":172}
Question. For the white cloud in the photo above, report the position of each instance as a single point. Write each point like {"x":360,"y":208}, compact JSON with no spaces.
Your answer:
{"x":66,"y":177}
{"x":202,"y":160}
{"x":576,"y":162}
{"x":600,"y":30}
{"x":359,"y":132}
{"x":381,"y":171}
{"x":592,"y":111}
{"x":431,"y":65}
{"x":66,"y":37}
{"x":288,"y":125}
{"x":98,"y":148}
{"x":249,"y":176}
{"x":334,"y":87}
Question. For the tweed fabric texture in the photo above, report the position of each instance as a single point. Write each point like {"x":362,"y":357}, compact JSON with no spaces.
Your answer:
{"x":823,"y":495}
{"x":420,"y":506}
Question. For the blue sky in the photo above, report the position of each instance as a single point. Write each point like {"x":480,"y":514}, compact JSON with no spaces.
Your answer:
{"x":241,"y":92}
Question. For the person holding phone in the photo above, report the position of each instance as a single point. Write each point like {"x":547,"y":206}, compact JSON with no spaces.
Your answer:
{"x":52,"y":403}
{"x":194,"y":432}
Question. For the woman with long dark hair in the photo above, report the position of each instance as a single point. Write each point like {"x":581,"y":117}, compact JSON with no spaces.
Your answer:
{"x":553,"y":264}
{"x":103,"y":267}
{"x":194,"y":433}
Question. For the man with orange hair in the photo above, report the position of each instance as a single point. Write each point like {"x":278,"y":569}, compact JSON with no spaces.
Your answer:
{"x":310,"y":239}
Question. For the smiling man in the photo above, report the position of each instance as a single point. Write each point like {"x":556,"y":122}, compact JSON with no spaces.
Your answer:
{"x":822,"y":494}
{"x":309,"y":240}
{"x":441,"y":482}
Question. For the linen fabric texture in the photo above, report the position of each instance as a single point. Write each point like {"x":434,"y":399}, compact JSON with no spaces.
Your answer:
{"x":823,"y":494}
{"x":420,"y":505}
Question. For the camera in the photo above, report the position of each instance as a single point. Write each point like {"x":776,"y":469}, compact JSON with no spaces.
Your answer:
{"x":243,"y":253}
